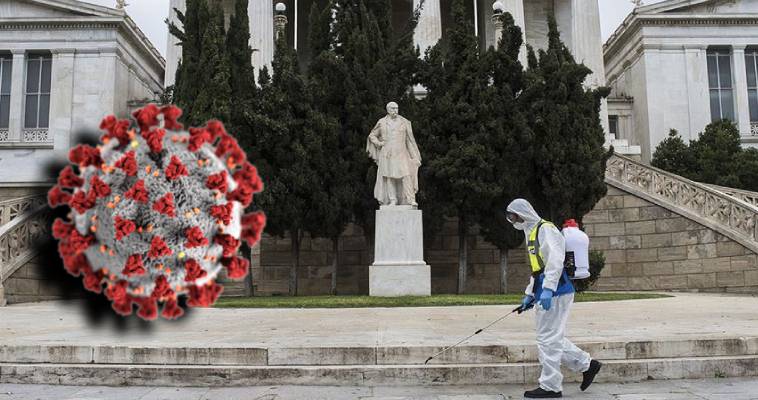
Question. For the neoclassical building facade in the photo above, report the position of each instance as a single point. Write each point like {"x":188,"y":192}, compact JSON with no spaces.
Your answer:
{"x":64,"y":65}
{"x":681,"y":64}
{"x":578,"y":22}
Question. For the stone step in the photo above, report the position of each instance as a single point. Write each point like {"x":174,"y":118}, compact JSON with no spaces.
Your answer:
{"x":619,"y":371}
{"x":391,"y":355}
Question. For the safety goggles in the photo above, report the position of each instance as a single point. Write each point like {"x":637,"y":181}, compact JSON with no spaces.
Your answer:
{"x":512,"y":217}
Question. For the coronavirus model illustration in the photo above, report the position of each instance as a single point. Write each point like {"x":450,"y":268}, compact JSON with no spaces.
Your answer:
{"x":156,"y":212}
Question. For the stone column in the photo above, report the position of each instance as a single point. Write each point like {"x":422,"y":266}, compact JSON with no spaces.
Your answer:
{"x":261,"y":13}
{"x":61,"y":97}
{"x":108,"y":61}
{"x":742,"y":107}
{"x":699,"y":104}
{"x":16,"y":123}
{"x":173,"y":49}
{"x":579,"y":25}
{"x":429,"y":29}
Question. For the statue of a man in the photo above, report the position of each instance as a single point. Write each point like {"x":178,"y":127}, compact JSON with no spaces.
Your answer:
{"x":392,"y":145}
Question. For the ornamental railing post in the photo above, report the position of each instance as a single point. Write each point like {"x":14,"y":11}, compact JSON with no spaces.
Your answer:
{"x":2,"y":289}
{"x":6,"y":216}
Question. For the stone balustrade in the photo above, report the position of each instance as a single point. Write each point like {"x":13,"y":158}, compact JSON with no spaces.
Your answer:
{"x":37,"y":135}
{"x":727,"y":214}
{"x":10,"y":209}
{"x":18,"y":240}
{"x":744,"y":195}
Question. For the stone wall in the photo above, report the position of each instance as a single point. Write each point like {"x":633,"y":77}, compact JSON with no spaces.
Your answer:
{"x":271,"y":271}
{"x":32,"y":283}
{"x":648,"y":247}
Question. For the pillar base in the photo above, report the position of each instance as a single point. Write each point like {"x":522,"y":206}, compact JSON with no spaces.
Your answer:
{"x":399,"y":280}
{"x":399,"y":268}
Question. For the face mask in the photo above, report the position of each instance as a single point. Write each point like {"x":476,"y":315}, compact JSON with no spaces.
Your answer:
{"x":520,"y":225}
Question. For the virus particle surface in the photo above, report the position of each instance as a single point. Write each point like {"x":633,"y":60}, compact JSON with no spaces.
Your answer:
{"x":156,"y":212}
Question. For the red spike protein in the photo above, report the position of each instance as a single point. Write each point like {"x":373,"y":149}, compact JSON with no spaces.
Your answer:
{"x":157,"y":214}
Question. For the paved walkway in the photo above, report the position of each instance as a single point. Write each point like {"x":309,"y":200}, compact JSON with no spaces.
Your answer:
{"x":712,"y":389}
{"x":685,"y":316}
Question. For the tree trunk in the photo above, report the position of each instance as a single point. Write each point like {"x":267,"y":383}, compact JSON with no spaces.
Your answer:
{"x":503,"y":271}
{"x":370,"y":247}
{"x":335,"y":264}
{"x":295,"y":233}
{"x":249,"y":292}
{"x":462,"y":255}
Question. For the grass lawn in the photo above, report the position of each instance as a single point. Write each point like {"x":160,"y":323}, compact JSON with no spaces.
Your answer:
{"x":433,"y":301}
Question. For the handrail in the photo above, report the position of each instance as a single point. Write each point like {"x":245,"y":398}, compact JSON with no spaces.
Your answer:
{"x":745,"y":195}
{"x":10,"y":209}
{"x":728,"y":215}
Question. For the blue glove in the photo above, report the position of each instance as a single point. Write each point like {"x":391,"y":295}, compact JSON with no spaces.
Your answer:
{"x":546,"y":299}
{"x":527,"y":303}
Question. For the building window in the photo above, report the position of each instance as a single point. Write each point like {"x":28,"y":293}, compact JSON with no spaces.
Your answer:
{"x":6,"y":66}
{"x":720,"y":84}
{"x":751,"y":65}
{"x":37,"y":106}
{"x":613,"y":125}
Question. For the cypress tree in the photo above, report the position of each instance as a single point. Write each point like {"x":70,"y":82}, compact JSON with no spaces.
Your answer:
{"x":242,"y":73}
{"x":244,"y":92}
{"x":295,"y":139}
{"x":320,"y":28}
{"x":377,"y":69}
{"x":213,"y":99}
{"x":460,"y":109}
{"x":569,"y":158}
{"x":326,"y":73}
{"x":356,"y":67}
{"x":188,"y":77}
{"x":510,"y":139}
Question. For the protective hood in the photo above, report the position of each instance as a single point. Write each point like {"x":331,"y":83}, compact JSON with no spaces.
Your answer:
{"x":526,"y":212}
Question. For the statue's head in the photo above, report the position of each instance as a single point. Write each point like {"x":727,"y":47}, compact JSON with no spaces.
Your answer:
{"x":392,"y":109}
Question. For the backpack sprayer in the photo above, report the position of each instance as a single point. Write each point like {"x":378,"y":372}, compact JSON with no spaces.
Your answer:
{"x":518,"y":309}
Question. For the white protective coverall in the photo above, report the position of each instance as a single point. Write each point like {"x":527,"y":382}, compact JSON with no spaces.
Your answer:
{"x":553,"y":348}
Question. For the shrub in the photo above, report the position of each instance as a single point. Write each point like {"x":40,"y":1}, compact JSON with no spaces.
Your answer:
{"x":716,"y":157}
{"x":674,"y":155}
{"x":597,"y":262}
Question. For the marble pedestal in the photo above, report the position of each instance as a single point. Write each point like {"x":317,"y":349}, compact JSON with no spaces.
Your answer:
{"x":399,"y":268}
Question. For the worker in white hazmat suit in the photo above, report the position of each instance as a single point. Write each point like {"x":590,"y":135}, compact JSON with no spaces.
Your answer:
{"x":551,"y":288}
